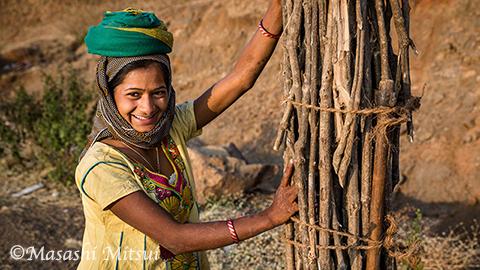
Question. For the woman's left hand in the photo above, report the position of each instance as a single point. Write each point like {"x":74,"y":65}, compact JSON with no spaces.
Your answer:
{"x":284,"y":203}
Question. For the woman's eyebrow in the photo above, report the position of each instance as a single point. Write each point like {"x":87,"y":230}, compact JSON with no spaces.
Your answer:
{"x":142,"y":89}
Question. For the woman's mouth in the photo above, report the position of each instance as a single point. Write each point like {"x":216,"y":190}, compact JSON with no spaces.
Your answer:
{"x":145,"y":120}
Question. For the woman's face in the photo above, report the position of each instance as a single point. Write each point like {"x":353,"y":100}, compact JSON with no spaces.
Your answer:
{"x":142,"y":97}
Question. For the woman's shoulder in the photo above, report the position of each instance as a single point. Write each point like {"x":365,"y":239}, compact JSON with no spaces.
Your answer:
{"x":183,"y":108}
{"x":101,"y":153}
{"x":184,"y":124}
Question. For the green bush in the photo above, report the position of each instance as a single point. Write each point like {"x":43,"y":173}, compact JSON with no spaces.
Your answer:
{"x":17,"y":121}
{"x":57,"y":124}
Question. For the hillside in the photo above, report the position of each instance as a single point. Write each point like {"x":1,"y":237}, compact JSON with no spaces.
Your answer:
{"x":440,"y":166}
{"x":440,"y":169}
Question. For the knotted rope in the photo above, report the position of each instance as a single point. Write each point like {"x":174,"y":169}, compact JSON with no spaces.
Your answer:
{"x":402,"y":254}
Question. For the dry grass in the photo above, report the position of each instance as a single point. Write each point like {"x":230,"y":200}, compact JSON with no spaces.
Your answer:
{"x":457,"y":249}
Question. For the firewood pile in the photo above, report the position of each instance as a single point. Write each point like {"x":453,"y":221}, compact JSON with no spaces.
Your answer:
{"x":347,"y":93}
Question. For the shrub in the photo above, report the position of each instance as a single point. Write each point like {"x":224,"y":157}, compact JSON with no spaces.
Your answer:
{"x":17,"y":121}
{"x":57,"y":124}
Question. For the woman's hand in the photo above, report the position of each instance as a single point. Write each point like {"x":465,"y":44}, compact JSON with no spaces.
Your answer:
{"x":284,"y":203}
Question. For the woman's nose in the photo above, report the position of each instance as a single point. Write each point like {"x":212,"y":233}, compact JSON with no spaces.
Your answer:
{"x":147,"y":105}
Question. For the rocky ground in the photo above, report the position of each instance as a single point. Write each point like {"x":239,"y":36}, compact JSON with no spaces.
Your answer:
{"x":440,"y":169}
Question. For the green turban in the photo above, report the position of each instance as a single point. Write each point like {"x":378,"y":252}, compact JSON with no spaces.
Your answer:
{"x":130,"y":32}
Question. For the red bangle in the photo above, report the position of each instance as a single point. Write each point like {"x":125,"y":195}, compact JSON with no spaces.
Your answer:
{"x":232,"y":231}
{"x":265,"y":31}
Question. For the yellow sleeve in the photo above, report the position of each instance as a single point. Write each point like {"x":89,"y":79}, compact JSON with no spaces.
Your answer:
{"x":107,"y":181}
{"x":184,"y":121}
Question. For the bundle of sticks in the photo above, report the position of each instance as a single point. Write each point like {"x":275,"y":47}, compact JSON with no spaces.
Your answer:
{"x":347,"y":92}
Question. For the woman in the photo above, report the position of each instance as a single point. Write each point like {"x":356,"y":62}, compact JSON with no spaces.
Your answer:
{"x":135,"y":179}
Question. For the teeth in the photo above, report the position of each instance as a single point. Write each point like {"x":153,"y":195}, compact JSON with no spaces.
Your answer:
{"x":142,"y":117}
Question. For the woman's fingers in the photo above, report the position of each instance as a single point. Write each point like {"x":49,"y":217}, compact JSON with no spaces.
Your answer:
{"x":293,"y":193}
{"x":294,"y":207}
{"x":285,"y":198}
{"x":287,"y":175}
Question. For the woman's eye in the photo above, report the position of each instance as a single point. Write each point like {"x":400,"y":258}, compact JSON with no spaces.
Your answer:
{"x":134,"y":94}
{"x":160,"y":93}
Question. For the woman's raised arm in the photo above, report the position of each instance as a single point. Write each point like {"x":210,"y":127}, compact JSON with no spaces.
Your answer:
{"x":248,"y":67}
{"x":143,"y":214}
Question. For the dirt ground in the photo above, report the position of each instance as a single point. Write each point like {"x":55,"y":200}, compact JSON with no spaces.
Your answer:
{"x":440,"y":170}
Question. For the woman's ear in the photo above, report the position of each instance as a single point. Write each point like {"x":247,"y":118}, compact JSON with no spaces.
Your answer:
{"x":102,"y":80}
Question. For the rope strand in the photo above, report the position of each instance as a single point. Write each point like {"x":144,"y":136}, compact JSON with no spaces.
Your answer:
{"x":404,"y":254}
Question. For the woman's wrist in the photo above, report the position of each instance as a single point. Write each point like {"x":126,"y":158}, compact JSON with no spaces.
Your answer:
{"x":269,"y":216}
{"x":272,"y":20}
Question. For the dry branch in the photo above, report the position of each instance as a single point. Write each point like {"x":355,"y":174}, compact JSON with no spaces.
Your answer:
{"x":325,"y":133}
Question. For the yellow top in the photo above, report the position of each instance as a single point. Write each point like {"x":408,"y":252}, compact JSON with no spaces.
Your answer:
{"x":105,"y":175}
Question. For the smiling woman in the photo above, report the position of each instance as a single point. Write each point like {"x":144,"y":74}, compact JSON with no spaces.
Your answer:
{"x":134,"y":175}
{"x":141,"y":95}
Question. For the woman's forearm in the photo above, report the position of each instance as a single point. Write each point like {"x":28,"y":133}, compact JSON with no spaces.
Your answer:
{"x":259,"y":49}
{"x":248,"y":67}
{"x":210,"y":235}
{"x":154,"y":221}
{"x":216,"y":234}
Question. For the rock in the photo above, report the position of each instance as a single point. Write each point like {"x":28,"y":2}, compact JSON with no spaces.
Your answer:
{"x":5,"y":210}
{"x":28,"y":190}
{"x":55,"y":194}
{"x":222,"y":170}
{"x":73,"y":243}
{"x":471,"y":135}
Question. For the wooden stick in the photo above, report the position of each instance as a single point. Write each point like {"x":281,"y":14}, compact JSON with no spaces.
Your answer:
{"x":341,"y":64}
{"x":299,"y":159}
{"x":399,"y":21}
{"x":378,"y":191}
{"x":353,"y":196}
{"x":325,"y":145}
{"x":322,"y":23}
{"x":382,"y":96}
{"x":387,"y":261}
{"x":392,"y":165}
{"x":338,"y":117}
{"x":350,"y":123}
{"x":352,"y":201}
{"x":287,"y":75}
{"x":341,"y":264}
{"x":385,"y":67}
{"x":406,"y":68}
{"x":289,"y":248}
{"x":342,"y":79}
{"x":366,"y":158}
{"x":283,"y":124}
{"x":366,"y":181}
{"x":313,"y":121}
{"x":304,"y":141}
{"x":292,"y":252}
{"x":287,"y":7}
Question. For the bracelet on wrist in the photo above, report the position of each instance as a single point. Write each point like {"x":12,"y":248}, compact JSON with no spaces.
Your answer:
{"x":233,"y":232}
{"x":265,"y":32}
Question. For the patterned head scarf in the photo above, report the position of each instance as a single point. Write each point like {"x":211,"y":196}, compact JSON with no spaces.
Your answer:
{"x":116,"y":53}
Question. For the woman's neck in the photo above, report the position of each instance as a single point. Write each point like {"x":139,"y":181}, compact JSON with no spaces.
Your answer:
{"x":154,"y":159}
